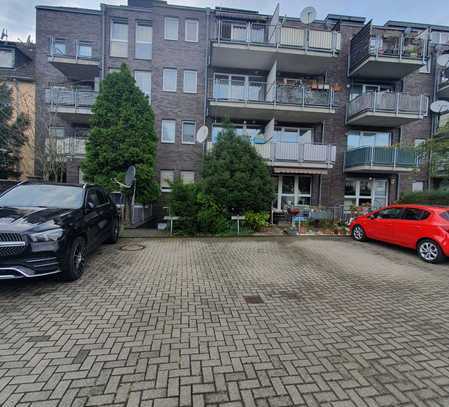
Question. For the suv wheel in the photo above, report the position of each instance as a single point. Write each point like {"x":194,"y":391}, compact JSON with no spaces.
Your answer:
{"x":115,"y":232}
{"x":75,"y":260}
{"x":430,"y":251}
{"x":358,"y":233}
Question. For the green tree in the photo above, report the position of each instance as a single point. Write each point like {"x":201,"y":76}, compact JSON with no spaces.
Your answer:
{"x":12,"y":134}
{"x":122,"y":134}
{"x":236,"y":177}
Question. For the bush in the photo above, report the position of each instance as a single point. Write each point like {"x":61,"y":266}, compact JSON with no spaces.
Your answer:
{"x":425,"y":198}
{"x":197,"y":212}
{"x":256,"y":221}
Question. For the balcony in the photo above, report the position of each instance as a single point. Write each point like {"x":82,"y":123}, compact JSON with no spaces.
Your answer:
{"x":381,"y":159}
{"x":73,"y":105}
{"x":79,"y":66}
{"x":253,"y":100}
{"x":255,"y":46}
{"x":386,"y":109}
{"x":443,"y":84}
{"x":386,"y":54}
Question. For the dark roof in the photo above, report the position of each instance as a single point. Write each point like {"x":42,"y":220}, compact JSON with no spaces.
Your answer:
{"x":421,"y":26}
{"x":24,"y":57}
{"x":70,"y":9}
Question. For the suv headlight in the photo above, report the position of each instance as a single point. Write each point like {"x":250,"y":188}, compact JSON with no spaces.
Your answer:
{"x":51,"y":235}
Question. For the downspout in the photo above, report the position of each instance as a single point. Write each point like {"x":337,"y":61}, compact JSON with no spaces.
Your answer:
{"x":103,"y":42}
{"x":206,"y":71}
{"x":434,"y":118}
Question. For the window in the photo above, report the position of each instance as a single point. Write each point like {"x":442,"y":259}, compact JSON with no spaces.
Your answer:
{"x":169,"y":80}
{"x":144,"y":41}
{"x":191,"y":30}
{"x":167,"y":177}
{"x":119,"y":39}
{"x":419,"y":141}
{"x":251,"y":133}
{"x":292,"y":135}
{"x":112,"y":70}
{"x":59,"y":47}
{"x":361,"y":88}
{"x":93,"y":200}
{"x":187,"y":177}
{"x":294,"y":190}
{"x":188,"y":132}
{"x":143,"y":81}
{"x":6,"y":58}
{"x":168,"y":133}
{"x":57,"y":143}
{"x":389,"y":213}
{"x":171,"y":28}
{"x":418,"y":186}
{"x":84,"y":50}
{"x":372,"y":193}
{"x":190,"y":81}
{"x":368,"y":139}
{"x":415,"y":214}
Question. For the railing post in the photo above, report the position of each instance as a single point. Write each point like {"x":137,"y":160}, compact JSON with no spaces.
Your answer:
{"x":395,"y":157}
{"x":334,"y":42}
{"x":76,"y":50}
{"x":420,"y":107}
{"x":398,"y":96}
{"x":219,"y":31}
{"x":372,"y":157}
{"x":401,"y":46}
{"x":377,"y":46}
{"x":374,"y":102}
{"x":248,"y":33}
{"x":303,"y":96}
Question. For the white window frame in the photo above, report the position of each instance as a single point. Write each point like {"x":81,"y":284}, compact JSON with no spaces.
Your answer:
{"x":165,"y":177}
{"x":188,"y":177}
{"x":13,"y":57}
{"x":194,"y":88}
{"x":137,"y":71}
{"x":166,"y":36}
{"x":164,"y":139}
{"x":85,"y":44}
{"x":367,"y":134}
{"x":298,"y":133}
{"x":297,"y":194}
{"x":372,"y":196}
{"x":164,"y":84}
{"x":112,"y":40}
{"x":197,"y":25}
{"x":182,"y":131}
{"x":148,"y":25}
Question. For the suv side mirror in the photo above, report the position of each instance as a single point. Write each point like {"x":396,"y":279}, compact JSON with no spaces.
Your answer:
{"x":90,"y":205}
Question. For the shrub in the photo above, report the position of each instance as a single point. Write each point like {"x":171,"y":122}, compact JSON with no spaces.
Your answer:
{"x":198,"y":213}
{"x":256,"y":220}
{"x":425,"y":198}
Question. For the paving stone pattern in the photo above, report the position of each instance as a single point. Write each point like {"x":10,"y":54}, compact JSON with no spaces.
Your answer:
{"x":226,"y":322}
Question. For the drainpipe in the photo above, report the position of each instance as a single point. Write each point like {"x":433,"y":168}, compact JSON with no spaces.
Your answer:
{"x":206,"y":71}
{"x":434,"y":119}
{"x":103,"y":42}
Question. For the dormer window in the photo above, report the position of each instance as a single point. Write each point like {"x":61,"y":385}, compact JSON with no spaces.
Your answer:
{"x":6,"y":58}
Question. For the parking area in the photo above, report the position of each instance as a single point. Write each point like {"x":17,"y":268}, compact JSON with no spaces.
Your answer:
{"x":231,"y":322}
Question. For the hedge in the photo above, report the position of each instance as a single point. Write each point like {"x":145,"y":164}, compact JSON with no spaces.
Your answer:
{"x":425,"y":198}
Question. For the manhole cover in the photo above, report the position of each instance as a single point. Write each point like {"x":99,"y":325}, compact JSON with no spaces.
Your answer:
{"x":253,"y":299}
{"x":132,"y":248}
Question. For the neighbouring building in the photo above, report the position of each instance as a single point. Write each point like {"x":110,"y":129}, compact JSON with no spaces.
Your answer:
{"x":17,"y":70}
{"x":334,"y":107}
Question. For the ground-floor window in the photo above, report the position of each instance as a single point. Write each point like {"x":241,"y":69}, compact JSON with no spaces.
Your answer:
{"x":293,"y":190}
{"x":370,"y":192}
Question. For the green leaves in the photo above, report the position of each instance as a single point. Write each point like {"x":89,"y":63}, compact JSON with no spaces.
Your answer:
{"x":122,"y":134}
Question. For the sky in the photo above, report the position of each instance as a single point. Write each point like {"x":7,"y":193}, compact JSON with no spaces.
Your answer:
{"x":18,"y":16}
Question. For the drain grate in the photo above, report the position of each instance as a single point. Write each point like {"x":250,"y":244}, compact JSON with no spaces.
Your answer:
{"x":132,"y":248}
{"x":253,"y":299}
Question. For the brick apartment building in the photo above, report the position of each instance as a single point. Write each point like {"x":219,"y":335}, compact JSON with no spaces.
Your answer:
{"x":17,"y":71}
{"x":334,"y":107}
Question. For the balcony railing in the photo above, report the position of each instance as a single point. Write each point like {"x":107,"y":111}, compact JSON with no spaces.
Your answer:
{"x":443,"y":80}
{"x":82,"y":51}
{"x":263,"y":92}
{"x":75,"y":98}
{"x":395,"y":157}
{"x":399,"y":46}
{"x":277,"y":36}
{"x":297,"y":152}
{"x":388,"y":102}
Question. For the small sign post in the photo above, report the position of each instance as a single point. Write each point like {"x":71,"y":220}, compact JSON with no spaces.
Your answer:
{"x":171,"y":219}
{"x":238,"y":219}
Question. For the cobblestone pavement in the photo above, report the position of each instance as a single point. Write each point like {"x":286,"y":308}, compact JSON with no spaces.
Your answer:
{"x":225,"y":322}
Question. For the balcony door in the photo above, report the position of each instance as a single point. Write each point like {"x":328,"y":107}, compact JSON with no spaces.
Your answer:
{"x":293,"y":190}
{"x":239,"y":87}
{"x":368,"y":192}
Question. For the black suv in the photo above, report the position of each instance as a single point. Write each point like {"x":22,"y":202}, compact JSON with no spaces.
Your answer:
{"x":50,"y":228}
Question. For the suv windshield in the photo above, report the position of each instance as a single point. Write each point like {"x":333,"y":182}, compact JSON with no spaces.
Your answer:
{"x":47,"y":196}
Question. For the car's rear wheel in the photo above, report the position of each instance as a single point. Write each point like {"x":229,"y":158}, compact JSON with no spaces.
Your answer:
{"x":430,"y":251}
{"x":115,"y":232}
{"x":358,"y":233}
{"x":75,"y":260}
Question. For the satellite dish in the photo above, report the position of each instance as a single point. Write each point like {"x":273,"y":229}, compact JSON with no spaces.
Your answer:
{"x":443,"y":60}
{"x":130,"y":176}
{"x":308,"y":15}
{"x":201,"y":134}
{"x":440,"y":106}
{"x":408,"y":31}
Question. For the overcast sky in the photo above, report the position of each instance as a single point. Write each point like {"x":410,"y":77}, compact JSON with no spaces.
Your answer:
{"x":19,"y":15}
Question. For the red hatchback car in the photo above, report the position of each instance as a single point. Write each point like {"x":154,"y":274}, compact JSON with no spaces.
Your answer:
{"x":424,"y":228}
